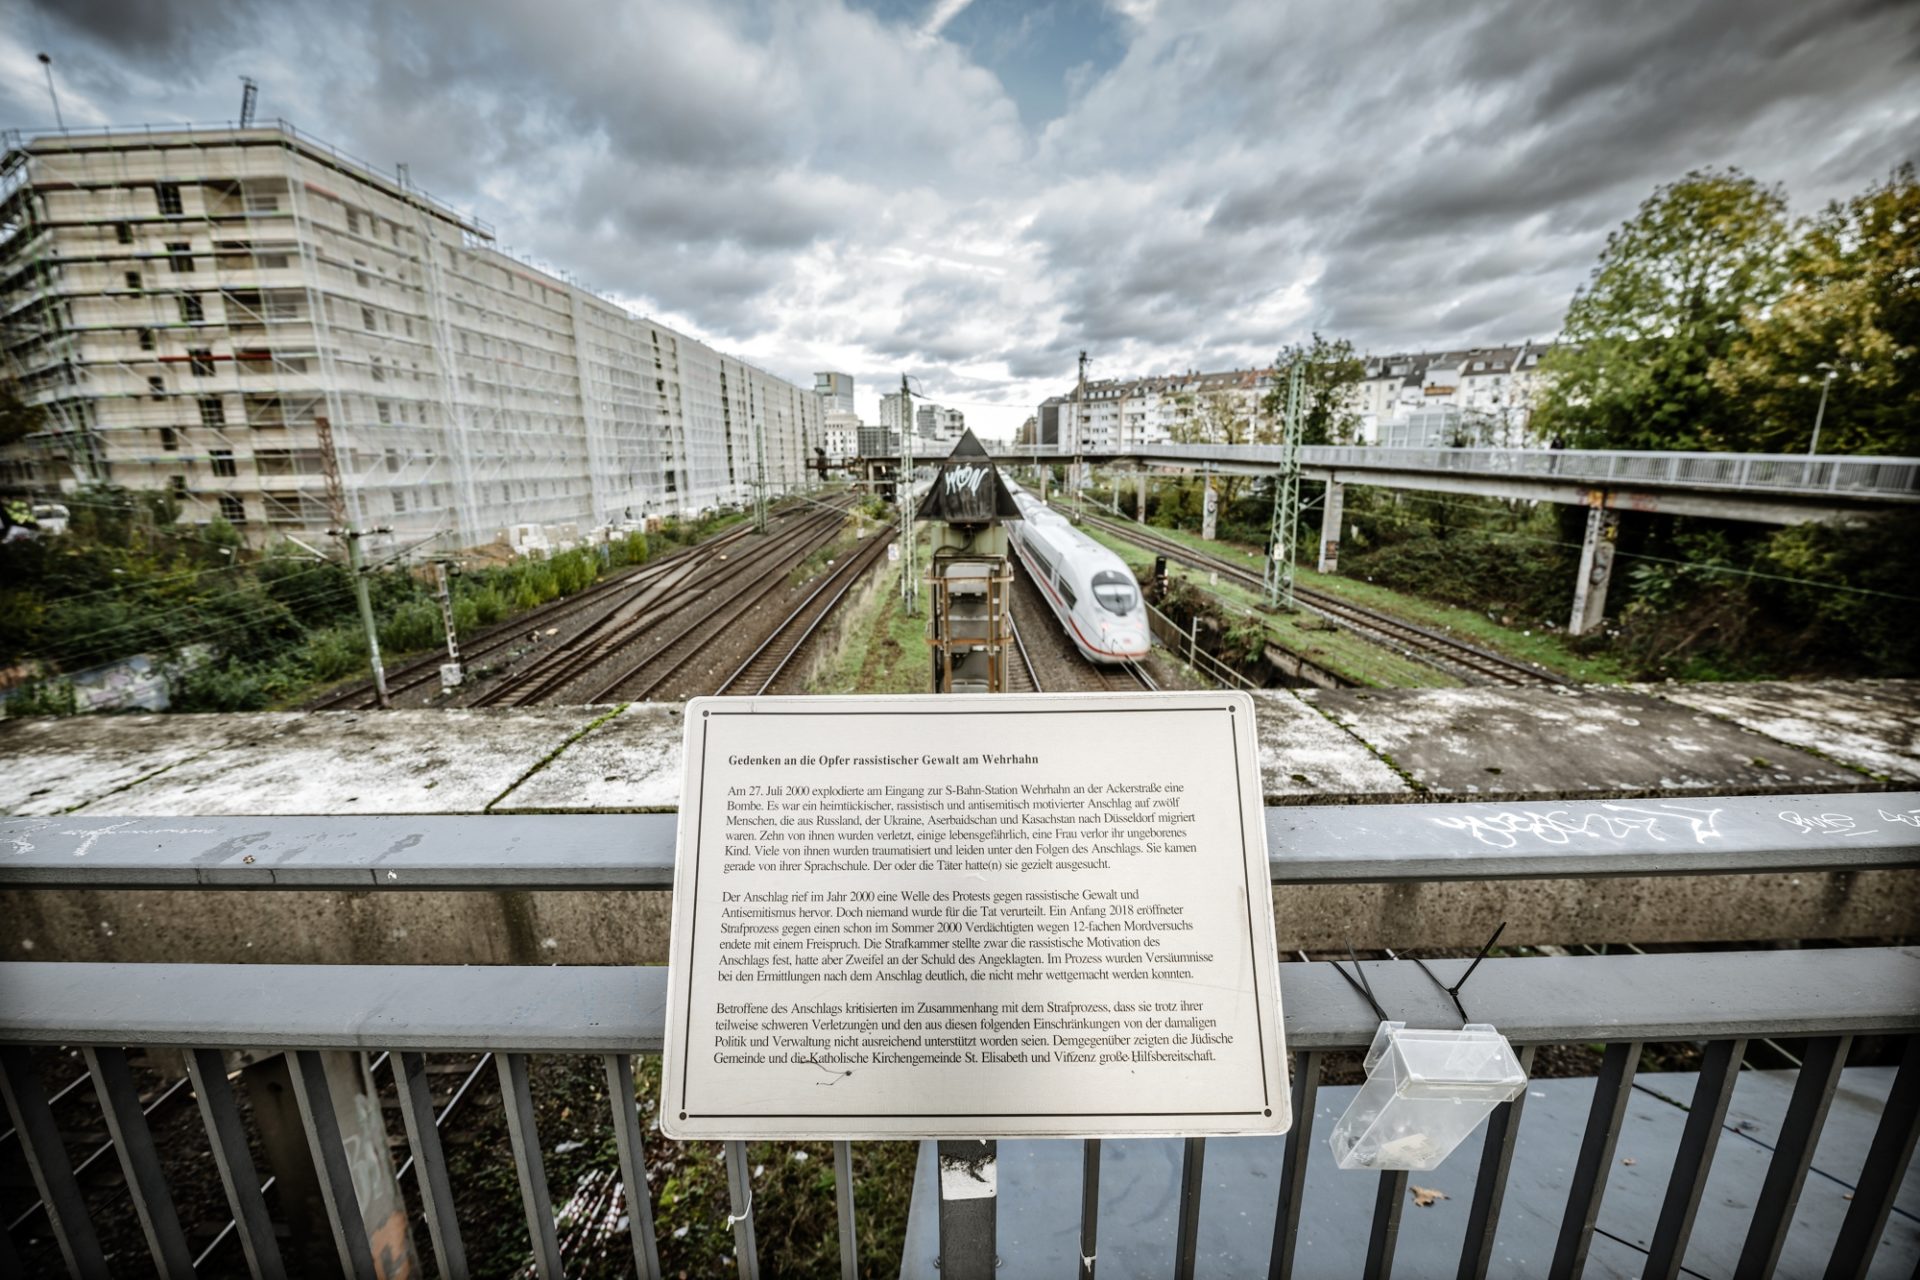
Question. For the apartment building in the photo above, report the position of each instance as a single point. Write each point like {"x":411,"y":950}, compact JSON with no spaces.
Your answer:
{"x":1484,"y":392}
{"x":201,"y":312}
{"x":1124,"y":413}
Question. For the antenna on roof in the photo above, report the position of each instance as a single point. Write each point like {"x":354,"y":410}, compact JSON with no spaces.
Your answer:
{"x":59,"y":123}
{"x":249,"y":94}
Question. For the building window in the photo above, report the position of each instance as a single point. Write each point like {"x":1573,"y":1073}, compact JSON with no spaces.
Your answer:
{"x":366,"y":320}
{"x":180,"y":256}
{"x":222,"y":462}
{"x":201,"y":360}
{"x":157,"y":388}
{"x":146,"y":339}
{"x":123,"y":232}
{"x":232,"y":510}
{"x":191,"y":310}
{"x":386,"y":413}
{"x":133,"y":281}
{"x":379,"y":370}
{"x":168,"y":440}
{"x":399,"y":502}
{"x":353,"y":222}
{"x":179,"y":486}
{"x":213,"y":412}
{"x":393,"y":461}
{"x":167,"y":196}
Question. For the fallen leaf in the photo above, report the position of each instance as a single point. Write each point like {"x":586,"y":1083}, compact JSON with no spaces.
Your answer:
{"x":1629,"y":1160}
{"x":1424,"y":1196}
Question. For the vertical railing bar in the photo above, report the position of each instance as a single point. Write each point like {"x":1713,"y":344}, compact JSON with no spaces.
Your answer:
{"x":48,"y":1162}
{"x":1699,"y":1139}
{"x":1886,"y":1164}
{"x":1089,"y":1207}
{"x":633,"y":1165}
{"x":1792,"y":1156}
{"x":1388,"y":1200}
{"x":1193,"y":1162}
{"x":740,"y":1211}
{"x":429,"y":1162}
{"x":315,"y":1098}
{"x":1611,"y":1090}
{"x":139,"y":1161}
{"x":843,"y":1202}
{"x":10,"y":1264}
{"x":525,"y":1135}
{"x":227,"y":1135}
{"x":1490,"y":1184}
{"x":1293,"y":1164}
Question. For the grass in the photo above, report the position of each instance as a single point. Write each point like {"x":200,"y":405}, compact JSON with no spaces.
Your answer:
{"x":1543,"y":648}
{"x":1352,"y":657}
{"x":885,"y":650}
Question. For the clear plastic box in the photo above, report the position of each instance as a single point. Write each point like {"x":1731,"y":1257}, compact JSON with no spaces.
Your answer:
{"x":1426,"y":1090}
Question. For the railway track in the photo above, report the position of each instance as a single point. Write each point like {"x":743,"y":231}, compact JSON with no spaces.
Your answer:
{"x":764,"y":667}
{"x":1436,"y":649}
{"x":1021,"y":676}
{"x":657,"y":603}
{"x":425,"y":670}
{"x":636,"y":660}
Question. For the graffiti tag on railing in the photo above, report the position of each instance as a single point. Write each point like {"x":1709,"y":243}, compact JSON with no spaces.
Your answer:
{"x":1829,"y":824}
{"x":89,"y":836}
{"x":1504,"y":829}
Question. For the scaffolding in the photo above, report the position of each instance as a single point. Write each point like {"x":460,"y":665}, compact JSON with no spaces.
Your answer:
{"x":185,"y":302}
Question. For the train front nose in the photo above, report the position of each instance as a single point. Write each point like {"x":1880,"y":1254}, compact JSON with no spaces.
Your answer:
{"x":1128,"y":639}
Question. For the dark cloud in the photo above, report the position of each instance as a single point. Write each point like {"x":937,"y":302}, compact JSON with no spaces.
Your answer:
{"x":821,"y":185}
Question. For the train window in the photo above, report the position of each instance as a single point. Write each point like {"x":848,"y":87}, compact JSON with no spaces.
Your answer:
{"x":1116,"y":592}
{"x":1066,"y":592}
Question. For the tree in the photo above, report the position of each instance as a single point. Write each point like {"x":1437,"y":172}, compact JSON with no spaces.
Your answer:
{"x":1330,"y":373}
{"x":1665,"y":302}
{"x":18,"y":418}
{"x":1851,"y":304}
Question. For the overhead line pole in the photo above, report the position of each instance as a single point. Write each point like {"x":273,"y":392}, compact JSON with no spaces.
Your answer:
{"x":1278,"y":584}
{"x":1079,"y":434}
{"x":903,"y":494}
{"x":343,"y":529}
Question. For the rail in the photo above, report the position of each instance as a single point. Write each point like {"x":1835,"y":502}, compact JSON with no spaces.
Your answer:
{"x":1307,"y":844}
{"x":1824,"y":998}
{"x":1726,"y":999}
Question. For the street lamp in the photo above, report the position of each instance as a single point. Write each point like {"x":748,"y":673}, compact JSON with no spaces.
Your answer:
{"x":1820,"y":414}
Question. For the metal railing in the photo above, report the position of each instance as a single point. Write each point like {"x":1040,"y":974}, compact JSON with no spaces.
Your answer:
{"x":1825,"y":475}
{"x":1724,"y":999}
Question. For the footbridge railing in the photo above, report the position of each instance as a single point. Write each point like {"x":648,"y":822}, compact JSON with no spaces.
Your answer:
{"x":1826,"y":1002}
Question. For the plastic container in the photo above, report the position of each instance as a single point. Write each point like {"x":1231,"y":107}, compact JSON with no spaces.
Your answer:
{"x":1425,"y":1091}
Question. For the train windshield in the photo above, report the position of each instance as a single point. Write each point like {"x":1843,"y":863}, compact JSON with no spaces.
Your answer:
{"x":1116,"y":592}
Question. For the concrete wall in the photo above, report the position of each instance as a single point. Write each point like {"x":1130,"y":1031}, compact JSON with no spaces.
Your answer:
{"x":1317,"y":747}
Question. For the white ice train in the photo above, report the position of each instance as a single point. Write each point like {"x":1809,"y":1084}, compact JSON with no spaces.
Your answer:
{"x":1088,"y":587}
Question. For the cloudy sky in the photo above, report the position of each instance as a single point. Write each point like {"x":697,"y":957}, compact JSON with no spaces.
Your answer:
{"x":971,"y":192}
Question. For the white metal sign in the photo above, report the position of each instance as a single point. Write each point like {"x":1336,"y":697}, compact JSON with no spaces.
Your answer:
{"x":972,"y":916}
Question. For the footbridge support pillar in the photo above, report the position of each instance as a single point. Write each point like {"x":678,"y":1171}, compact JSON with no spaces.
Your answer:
{"x":1596,"y":571}
{"x":1330,"y":516}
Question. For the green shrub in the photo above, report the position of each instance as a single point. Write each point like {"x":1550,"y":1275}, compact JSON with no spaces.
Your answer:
{"x":42,"y":698}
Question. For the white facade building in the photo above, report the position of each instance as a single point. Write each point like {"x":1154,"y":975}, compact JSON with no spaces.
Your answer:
{"x":840,"y":435}
{"x":196,"y":311}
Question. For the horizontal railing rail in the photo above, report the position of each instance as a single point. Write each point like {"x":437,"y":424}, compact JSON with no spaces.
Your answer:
{"x":1819,"y":476}
{"x":1727,"y":999}
{"x":1306,"y":844}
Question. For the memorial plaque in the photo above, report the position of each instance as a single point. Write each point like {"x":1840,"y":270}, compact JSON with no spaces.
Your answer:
{"x":1002,"y":916}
